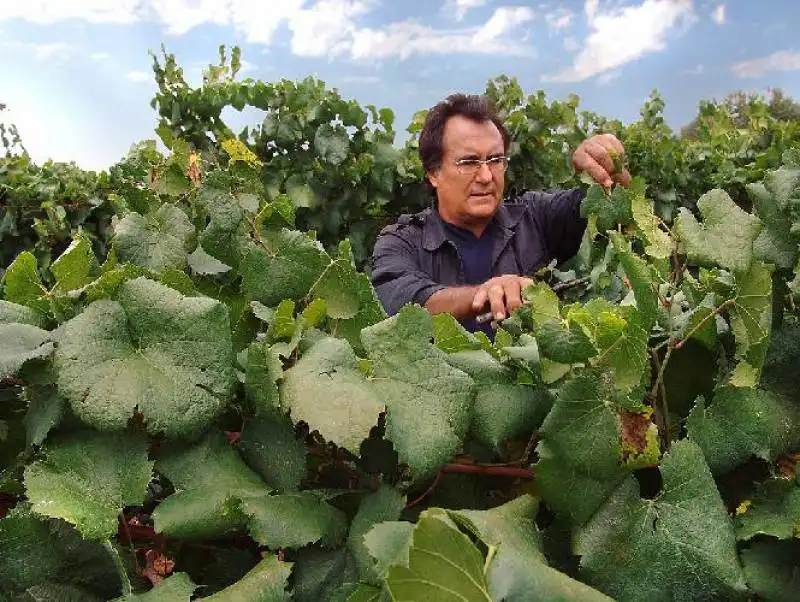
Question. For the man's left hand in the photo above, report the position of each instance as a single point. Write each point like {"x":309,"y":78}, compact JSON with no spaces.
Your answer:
{"x":594,"y":156}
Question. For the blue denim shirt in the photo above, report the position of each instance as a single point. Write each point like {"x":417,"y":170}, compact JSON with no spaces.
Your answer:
{"x":417,"y":256}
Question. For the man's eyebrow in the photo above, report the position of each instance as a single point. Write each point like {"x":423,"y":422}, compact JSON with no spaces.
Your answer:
{"x":476,"y":156}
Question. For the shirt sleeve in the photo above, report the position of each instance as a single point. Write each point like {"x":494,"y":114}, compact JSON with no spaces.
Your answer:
{"x":559,"y":213}
{"x":396,"y":273}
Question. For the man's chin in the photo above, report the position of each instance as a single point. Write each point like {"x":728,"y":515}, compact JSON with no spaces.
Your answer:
{"x":482,"y":206}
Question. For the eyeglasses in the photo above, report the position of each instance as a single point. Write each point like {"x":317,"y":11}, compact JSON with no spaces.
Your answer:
{"x":469,"y":167}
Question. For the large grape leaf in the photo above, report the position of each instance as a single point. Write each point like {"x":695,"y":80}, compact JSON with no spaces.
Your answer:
{"x":772,"y":569}
{"x":22,"y":284}
{"x":263,"y":370}
{"x":318,"y":574}
{"x":284,"y":264}
{"x":385,"y":504}
{"x":158,"y":241}
{"x":726,"y":236}
{"x":210,"y":481}
{"x":775,"y":244}
{"x":178,"y":587}
{"x":227,"y":234}
{"x":269,"y":446}
{"x":519,"y":570}
{"x":774,"y":511}
{"x":659,"y":244}
{"x":337,"y":284}
{"x":167,"y":356}
{"x":741,"y":423}
{"x":429,"y":402}
{"x":327,"y":390}
{"x":751,"y":322}
{"x":14,"y":313}
{"x":443,"y":564}
{"x":642,"y":280}
{"x":38,"y":552}
{"x":332,"y":143}
{"x":265,"y":582}
{"x":610,"y":209}
{"x":503,"y":409}
{"x":88,"y":478}
{"x":45,"y":410}
{"x":22,"y":342}
{"x":77,"y":266}
{"x":201,"y":262}
{"x":679,"y":545}
{"x":388,"y":543}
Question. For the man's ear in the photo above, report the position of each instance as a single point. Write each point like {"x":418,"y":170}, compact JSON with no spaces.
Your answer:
{"x":433,"y":178}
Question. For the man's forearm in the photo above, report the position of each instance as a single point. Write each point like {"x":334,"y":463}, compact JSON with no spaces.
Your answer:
{"x":456,"y":300}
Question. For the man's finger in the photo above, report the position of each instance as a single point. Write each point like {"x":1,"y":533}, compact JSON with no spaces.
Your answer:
{"x":623,"y":179}
{"x":497,"y":302}
{"x":585,"y":162}
{"x":513,"y":298}
{"x":600,"y":153}
{"x":611,"y":141}
{"x":480,"y":298}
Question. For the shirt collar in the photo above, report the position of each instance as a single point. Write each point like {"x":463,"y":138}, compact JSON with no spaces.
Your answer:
{"x":434,"y":233}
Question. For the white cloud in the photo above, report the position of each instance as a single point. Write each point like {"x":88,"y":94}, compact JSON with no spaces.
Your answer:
{"x":51,"y":11}
{"x":460,"y":8}
{"x":571,"y":44}
{"x":318,"y":27}
{"x":559,"y":19}
{"x":502,"y":21}
{"x":138,"y":76}
{"x":54,"y":50}
{"x":608,"y":77}
{"x":719,"y":15}
{"x":783,"y":60}
{"x":620,"y":36}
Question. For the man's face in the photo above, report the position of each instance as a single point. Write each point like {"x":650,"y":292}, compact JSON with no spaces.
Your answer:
{"x":469,"y":199}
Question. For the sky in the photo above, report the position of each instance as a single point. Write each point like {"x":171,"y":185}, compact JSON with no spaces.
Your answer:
{"x":76,"y":74}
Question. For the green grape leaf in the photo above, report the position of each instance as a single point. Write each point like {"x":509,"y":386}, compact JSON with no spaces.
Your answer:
{"x":45,"y":411}
{"x":75,"y":267}
{"x":774,"y":243}
{"x":742,"y":422}
{"x":265,"y":582}
{"x":443,"y":564}
{"x":385,"y":504}
{"x":293,"y":520}
{"x":210,"y":479}
{"x":502,"y":409}
{"x":429,"y":402}
{"x":22,"y":342}
{"x":610,"y":209}
{"x":751,"y":322}
{"x":725,"y":238}
{"x":23,"y":285}
{"x":285,"y":265}
{"x":544,"y":303}
{"x":157,"y":241}
{"x":772,"y":569}
{"x":88,"y":478}
{"x":388,"y":543}
{"x":300,"y":192}
{"x":642,"y":281}
{"x":519,"y":570}
{"x":178,"y":587}
{"x":38,"y":552}
{"x":202,"y":263}
{"x":326,"y":389}
{"x":336,"y":285}
{"x":332,"y":143}
{"x":450,"y":336}
{"x":270,"y":447}
{"x":564,"y":344}
{"x":14,"y":313}
{"x":262,"y":372}
{"x":226,"y":237}
{"x":319,"y":574}
{"x":775,"y":511}
{"x":658,"y":243}
{"x":155,"y":351}
{"x":45,"y":592}
{"x":681,"y":541}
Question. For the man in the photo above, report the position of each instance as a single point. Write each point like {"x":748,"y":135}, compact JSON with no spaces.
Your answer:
{"x":472,"y":252}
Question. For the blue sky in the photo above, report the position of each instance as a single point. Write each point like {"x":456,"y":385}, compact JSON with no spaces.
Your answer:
{"x":76,"y":73}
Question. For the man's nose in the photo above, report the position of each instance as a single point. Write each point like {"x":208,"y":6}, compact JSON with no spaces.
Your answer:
{"x":484,"y":173}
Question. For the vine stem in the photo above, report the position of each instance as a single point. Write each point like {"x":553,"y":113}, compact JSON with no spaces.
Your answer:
{"x":490,"y":554}
{"x":702,"y":323}
{"x":127,"y":589}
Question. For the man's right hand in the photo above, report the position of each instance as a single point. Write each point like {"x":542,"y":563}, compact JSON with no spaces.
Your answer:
{"x":502,"y":293}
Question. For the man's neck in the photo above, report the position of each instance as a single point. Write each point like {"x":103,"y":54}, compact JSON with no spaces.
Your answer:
{"x":476,"y":227}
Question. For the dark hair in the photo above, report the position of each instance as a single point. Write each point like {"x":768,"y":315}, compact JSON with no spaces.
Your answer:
{"x":475,"y":107}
